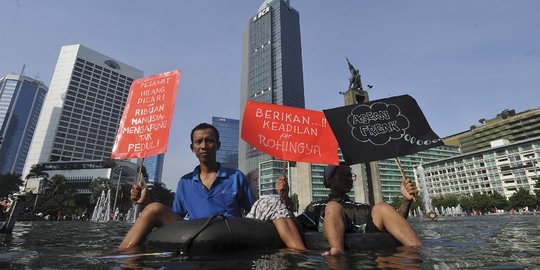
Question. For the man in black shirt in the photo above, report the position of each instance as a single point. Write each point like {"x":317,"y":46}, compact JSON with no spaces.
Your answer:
{"x":339,"y":214}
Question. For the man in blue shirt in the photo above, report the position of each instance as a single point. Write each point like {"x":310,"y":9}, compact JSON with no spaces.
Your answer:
{"x":228,"y":194}
{"x":209,"y":189}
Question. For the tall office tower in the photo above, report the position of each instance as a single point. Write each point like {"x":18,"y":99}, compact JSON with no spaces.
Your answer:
{"x":228,"y":135}
{"x":271,"y":68}
{"x":154,"y":167}
{"x":82,"y":111}
{"x":21,"y":99}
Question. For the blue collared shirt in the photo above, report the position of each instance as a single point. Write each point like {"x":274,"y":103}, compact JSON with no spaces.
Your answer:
{"x":229,"y":193}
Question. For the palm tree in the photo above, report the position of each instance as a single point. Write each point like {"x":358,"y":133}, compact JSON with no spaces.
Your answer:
{"x":36,"y":171}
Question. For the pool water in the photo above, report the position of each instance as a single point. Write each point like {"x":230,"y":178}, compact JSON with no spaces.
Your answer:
{"x":471,"y":242}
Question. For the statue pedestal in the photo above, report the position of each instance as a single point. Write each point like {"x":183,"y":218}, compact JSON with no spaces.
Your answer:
{"x":355,"y":96}
{"x":368,"y":187}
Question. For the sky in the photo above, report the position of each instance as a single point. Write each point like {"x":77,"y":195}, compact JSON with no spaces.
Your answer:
{"x":461,"y":60}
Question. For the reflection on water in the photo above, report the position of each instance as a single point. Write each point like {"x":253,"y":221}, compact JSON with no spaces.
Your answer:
{"x":509,"y":241}
{"x":502,"y":242}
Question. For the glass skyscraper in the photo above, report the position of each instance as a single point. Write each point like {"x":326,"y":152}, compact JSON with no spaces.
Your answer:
{"x":21,"y":99}
{"x":228,"y":129}
{"x":271,"y":67}
{"x":154,"y":167}
{"x":83,"y":108}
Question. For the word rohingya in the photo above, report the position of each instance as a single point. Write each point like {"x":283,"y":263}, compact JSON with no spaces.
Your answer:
{"x":292,"y":147}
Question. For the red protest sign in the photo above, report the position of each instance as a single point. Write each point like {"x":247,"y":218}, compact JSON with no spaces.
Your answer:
{"x":289,"y":133}
{"x":146,"y":121}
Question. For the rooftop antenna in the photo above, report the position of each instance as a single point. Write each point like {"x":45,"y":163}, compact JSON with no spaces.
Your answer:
{"x":22,"y":70}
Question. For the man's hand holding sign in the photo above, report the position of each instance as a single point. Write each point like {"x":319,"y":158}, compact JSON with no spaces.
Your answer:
{"x":144,"y":128}
{"x":146,"y":121}
{"x":289,"y":133}
{"x":382,"y":129}
{"x":296,"y":134}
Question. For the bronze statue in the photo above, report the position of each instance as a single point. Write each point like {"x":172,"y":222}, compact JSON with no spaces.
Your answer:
{"x":354,"y":82}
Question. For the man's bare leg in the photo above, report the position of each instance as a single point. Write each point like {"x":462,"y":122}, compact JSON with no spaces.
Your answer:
{"x":289,"y":233}
{"x":334,"y":228}
{"x":386,"y":218}
{"x":153,"y":215}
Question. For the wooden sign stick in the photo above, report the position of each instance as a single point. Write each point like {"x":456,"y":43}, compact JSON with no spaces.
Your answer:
{"x":403,"y":173}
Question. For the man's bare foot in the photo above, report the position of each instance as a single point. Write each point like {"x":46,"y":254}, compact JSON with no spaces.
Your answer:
{"x":334,"y":252}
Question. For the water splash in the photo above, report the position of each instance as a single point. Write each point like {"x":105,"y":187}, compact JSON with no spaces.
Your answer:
{"x":132,"y":214}
{"x":102,"y":211}
{"x":430,"y":211}
{"x":420,"y":178}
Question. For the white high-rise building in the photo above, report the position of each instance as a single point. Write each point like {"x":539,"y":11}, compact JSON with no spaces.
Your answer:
{"x":83,"y":108}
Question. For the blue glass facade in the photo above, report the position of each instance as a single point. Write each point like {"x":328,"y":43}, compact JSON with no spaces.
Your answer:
{"x":271,"y":66}
{"x":154,"y":167}
{"x":228,"y":135}
{"x":21,"y":99}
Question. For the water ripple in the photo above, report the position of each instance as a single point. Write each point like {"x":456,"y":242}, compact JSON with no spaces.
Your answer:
{"x":487,"y":242}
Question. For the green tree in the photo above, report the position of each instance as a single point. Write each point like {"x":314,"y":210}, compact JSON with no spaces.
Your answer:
{"x":9,"y":183}
{"x":418,"y":202}
{"x":507,"y":113}
{"x":483,"y":202}
{"x":499,"y":201}
{"x":437,"y":201}
{"x":100,"y":185}
{"x":37,"y":170}
{"x":466,"y":203}
{"x":522,"y":198}
{"x":59,"y":196}
{"x":450,"y":200}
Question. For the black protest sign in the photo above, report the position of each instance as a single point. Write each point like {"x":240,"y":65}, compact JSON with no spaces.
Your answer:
{"x":381,"y":129}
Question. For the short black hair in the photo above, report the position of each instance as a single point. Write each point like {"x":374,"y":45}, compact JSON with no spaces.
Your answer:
{"x":205,"y":126}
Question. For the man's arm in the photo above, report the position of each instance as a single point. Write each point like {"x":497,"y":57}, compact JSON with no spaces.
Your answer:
{"x":404,"y":208}
{"x":282,"y":189}
{"x":409,"y":191}
{"x":139,"y":194}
